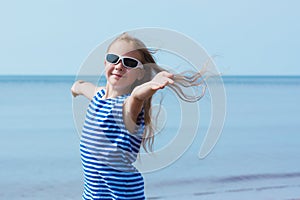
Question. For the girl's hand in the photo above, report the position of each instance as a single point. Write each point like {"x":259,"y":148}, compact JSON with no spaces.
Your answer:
{"x":161,"y":80}
{"x":146,"y":90}
{"x":75,"y":90}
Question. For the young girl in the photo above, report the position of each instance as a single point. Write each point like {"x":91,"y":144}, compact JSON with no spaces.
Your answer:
{"x":118,"y":119}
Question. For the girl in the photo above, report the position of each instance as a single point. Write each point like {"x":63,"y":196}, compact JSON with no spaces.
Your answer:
{"x":118,"y":119}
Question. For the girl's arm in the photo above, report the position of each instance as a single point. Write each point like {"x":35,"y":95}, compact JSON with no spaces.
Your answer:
{"x":86,"y":89}
{"x":134,"y":104}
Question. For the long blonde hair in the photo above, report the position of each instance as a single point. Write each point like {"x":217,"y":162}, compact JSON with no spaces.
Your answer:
{"x":182,"y":80}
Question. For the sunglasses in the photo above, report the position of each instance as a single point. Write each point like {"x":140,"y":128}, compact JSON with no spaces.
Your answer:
{"x":128,"y":62}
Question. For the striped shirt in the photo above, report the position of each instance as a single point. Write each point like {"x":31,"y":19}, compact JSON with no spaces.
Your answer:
{"x":108,"y":151}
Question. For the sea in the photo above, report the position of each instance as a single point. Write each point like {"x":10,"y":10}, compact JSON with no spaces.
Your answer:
{"x":256,"y":156}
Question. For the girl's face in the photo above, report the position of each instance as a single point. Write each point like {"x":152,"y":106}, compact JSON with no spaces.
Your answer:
{"x":117,"y":75}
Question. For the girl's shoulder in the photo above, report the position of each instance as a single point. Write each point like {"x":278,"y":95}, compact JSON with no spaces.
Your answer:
{"x":99,"y":91}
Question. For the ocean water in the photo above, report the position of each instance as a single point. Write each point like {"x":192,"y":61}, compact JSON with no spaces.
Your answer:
{"x":256,"y":157}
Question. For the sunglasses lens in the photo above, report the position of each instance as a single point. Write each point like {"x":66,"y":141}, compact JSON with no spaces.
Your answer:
{"x":128,"y":62}
{"x":112,"y":58}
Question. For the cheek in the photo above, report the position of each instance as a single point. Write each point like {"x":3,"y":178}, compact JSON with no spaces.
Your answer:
{"x":132,"y":75}
{"x":108,"y":69}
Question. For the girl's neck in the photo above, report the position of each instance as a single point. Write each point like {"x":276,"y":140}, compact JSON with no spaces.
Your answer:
{"x":112,"y":92}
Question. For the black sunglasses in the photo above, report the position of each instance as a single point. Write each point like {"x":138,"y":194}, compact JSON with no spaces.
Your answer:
{"x":128,"y":62}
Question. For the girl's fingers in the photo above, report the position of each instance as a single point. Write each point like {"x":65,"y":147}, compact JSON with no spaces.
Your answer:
{"x":170,"y":81}
{"x":167,"y":74}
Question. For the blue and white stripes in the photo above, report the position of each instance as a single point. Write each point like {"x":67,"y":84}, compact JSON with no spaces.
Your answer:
{"x":108,"y":151}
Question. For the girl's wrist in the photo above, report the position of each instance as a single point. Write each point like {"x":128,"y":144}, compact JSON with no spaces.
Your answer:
{"x":143,"y":92}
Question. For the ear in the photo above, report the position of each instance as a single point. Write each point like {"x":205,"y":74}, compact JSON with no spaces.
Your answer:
{"x":141,"y":74}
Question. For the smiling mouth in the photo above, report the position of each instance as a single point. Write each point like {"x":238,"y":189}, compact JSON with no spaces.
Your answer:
{"x":117,"y":75}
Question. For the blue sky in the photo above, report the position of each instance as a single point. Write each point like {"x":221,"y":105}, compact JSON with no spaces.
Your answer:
{"x":250,"y":37}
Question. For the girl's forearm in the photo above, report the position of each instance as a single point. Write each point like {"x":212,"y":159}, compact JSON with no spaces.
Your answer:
{"x":134,"y":104}
{"x":141,"y":93}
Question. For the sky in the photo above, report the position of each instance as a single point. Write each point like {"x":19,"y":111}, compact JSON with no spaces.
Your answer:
{"x":54,"y":37}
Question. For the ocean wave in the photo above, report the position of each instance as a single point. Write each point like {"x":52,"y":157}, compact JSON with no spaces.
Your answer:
{"x":250,"y":177}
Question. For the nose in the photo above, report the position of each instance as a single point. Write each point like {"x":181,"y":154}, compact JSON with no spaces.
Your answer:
{"x":119,"y":66}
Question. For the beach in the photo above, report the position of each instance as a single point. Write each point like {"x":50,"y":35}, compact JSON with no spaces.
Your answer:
{"x":256,"y":157}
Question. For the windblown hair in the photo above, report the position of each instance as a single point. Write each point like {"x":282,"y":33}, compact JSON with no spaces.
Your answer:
{"x":181,"y":81}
